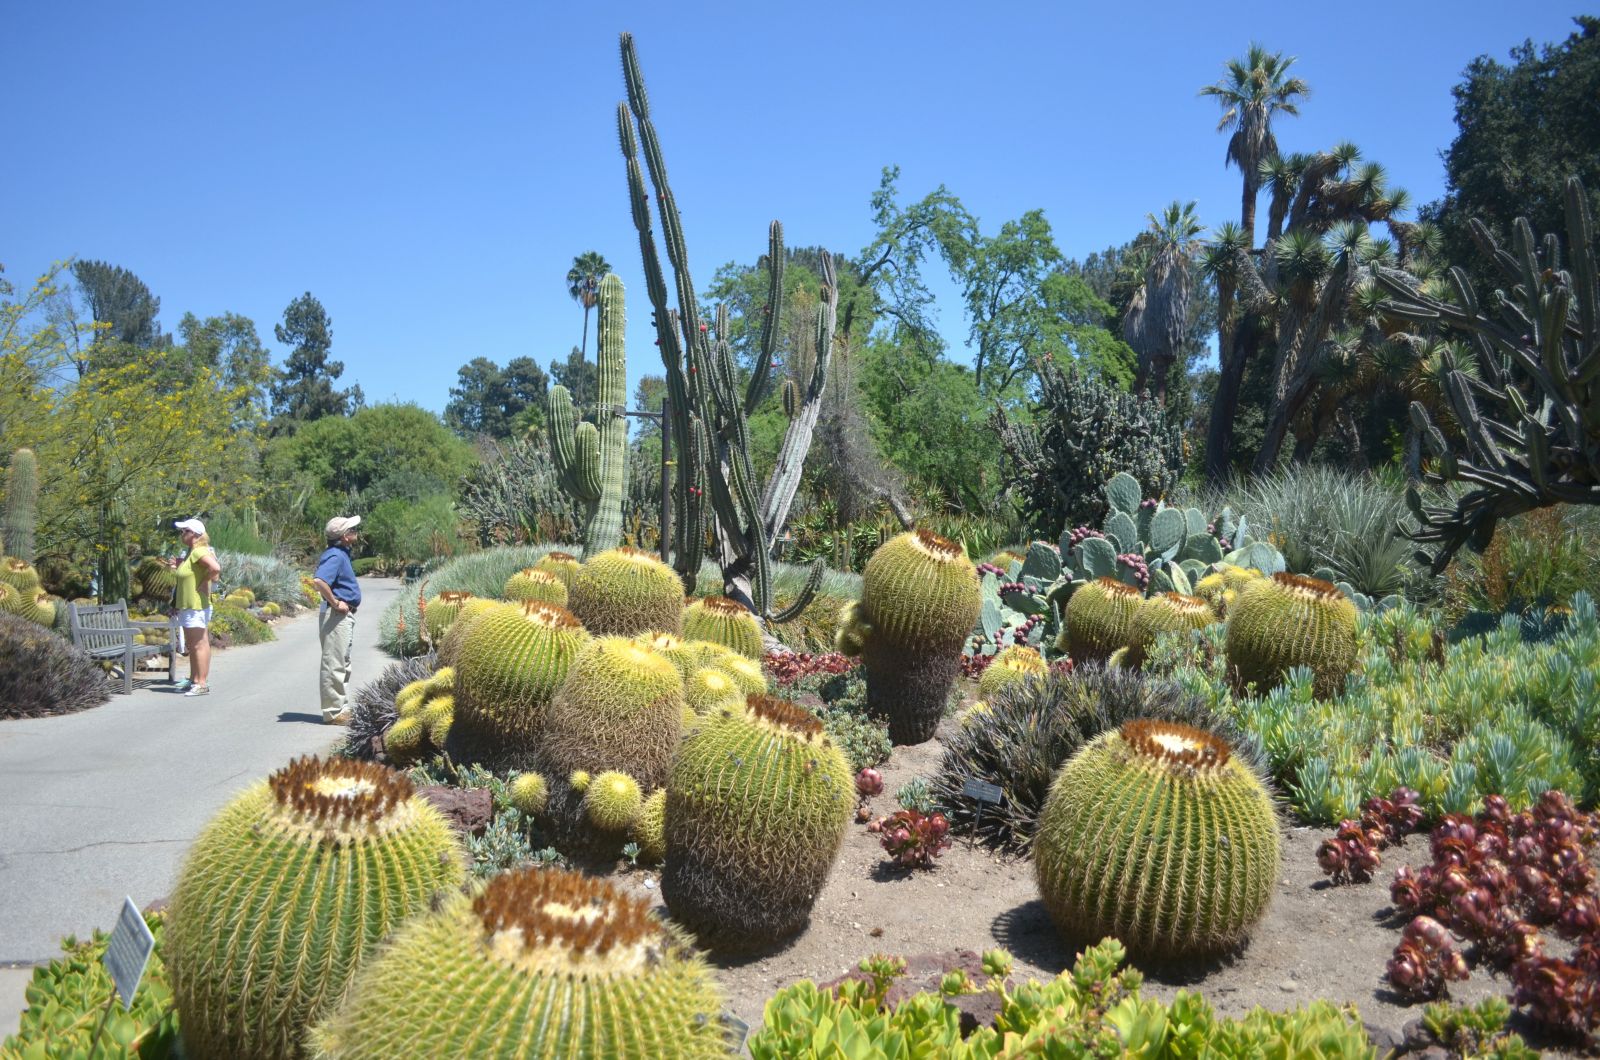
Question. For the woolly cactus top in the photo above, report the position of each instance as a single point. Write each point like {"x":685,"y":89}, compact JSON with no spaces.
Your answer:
{"x":637,"y":555}
{"x":1302,"y":585}
{"x":1186,"y":605}
{"x":1175,"y":745}
{"x":454,"y":596}
{"x":721,"y":605}
{"x":341,"y":800}
{"x":534,"y":574}
{"x":1118,"y":588}
{"x":561,"y":557}
{"x":551,"y":616}
{"x":940,"y":548}
{"x":782,"y":716}
{"x":550,"y":922}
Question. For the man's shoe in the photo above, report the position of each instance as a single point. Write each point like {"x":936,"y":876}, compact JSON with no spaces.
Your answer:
{"x":198,"y":690}
{"x":341,"y":718}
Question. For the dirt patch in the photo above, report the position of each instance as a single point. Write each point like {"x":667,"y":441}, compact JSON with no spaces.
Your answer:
{"x":1316,"y":941}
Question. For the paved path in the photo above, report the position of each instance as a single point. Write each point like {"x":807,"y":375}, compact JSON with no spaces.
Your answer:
{"x":103,"y":803}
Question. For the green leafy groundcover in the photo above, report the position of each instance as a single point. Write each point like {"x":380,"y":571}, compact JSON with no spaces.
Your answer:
{"x":68,"y":996}
{"x":1093,"y":1010}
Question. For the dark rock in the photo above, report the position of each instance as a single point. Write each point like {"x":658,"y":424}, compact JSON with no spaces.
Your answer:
{"x":1415,"y":1036}
{"x":468,"y":810}
{"x":1384,"y":1040}
{"x":977,"y":1010}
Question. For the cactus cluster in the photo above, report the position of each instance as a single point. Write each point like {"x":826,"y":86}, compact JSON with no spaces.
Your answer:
{"x":756,"y":811}
{"x":1017,"y":663}
{"x":509,"y":665}
{"x":426,"y":710}
{"x":626,"y":592}
{"x":286,"y":892}
{"x":541,"y":963}
{"x":1158,"y":834}
{"x":919,"y":600}
{"x":563,"y":565}
{"x":1290,"y":620}
{"x":591,"y":457}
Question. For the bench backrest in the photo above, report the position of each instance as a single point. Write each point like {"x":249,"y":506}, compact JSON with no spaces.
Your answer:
{"x":96,"y":627}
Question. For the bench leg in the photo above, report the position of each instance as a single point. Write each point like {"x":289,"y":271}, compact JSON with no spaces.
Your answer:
{"x":127,"y":673}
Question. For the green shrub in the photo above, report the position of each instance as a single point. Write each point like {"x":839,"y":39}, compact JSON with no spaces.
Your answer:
{"x":1090,"y":1010}
{"x":67,"y":997}
{"x":479,"y":573}
{"x":1030,"y":729}
{"x":235,"y":533}
{"x":41,"y":673}
{"x":268,"y":577}
{"x":237,"y":626}
{"x":1537,"y":560}
{"x":1489,"y":714}
{"x":414,"y":531}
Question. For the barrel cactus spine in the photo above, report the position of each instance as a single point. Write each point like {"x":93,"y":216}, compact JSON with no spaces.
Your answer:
{"x":19,"y":574}
{"x":724,"y":621}
{"x":1099,"y":619}
{"x":756,"y":810}
{"x":920,"y":599}
{"x":1290,"y":620}
{"x":22,"y":502}
{"x":591,"y":457}
{"x":509,"y":666}
{"x":448,"y":648}
{"x":530,"y":793}
{"x":649,"y":827}
{"x":287,"y":891}
{"x":1165,"y":613}
{"x":1223,"y":585}
{"x":620,"y":708}
{"x":1158,"y":834}
{"x":467,"y":980}
{"x":709,"y":689}
{"x":626,"y":592}
{"x":532,"y":583}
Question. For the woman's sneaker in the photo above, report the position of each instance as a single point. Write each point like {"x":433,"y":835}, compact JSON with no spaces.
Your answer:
{"x":183,"y":686}
{"x":199,"y":690}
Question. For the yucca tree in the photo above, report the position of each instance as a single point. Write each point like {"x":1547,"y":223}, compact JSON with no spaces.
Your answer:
{"x":583,"y":284}
{"x":1241,"y":296}
{"x":1158,"y":314}
{"x":1252,"y":91}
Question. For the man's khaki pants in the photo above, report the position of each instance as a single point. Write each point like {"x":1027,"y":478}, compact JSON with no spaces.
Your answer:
{"x":338,"y":636}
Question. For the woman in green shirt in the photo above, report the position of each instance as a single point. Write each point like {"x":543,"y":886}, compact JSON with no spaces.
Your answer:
{"x":196,"y":571}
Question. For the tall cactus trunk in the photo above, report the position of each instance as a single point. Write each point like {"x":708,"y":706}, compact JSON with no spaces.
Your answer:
{"x":592,"y":458}
{"x":803,"y":409}
{"x":113,"y":565}
{"x":22,"y":502}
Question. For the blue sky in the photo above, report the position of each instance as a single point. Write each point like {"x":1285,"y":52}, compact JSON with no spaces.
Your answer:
{"x":429,"y":170}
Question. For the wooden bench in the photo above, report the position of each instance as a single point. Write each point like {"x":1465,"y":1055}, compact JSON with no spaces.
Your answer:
{"x":104,"y":632}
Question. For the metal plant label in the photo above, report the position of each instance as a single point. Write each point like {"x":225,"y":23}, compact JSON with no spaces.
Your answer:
{"x":129,"y":951}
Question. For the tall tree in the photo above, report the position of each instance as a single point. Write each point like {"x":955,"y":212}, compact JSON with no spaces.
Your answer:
{"x":121,"y":301}
{"x":304,"y":391}
{"x":1251,"y":91}
{"x":228,"y":344}
{"x":580,"y":376}
{"x":583,"y":284}
{"x":494,"y":401}
{"x":1522,"y":129}
{"x":1157,"y":320}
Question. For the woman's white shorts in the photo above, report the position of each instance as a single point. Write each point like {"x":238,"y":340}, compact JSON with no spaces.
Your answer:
{"x":193,"y":619}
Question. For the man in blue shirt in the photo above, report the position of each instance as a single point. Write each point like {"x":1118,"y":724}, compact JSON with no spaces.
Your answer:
{"x":335,"y":582}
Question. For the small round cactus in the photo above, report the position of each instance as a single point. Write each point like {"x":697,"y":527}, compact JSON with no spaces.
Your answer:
{"x":1016,"y":663}
{"x":1158,"y":834}
{"x":626,"y":592}
{"x":1222,"y":586}
{"x":649,"y":828}
{"x":1163,"y":613}
{"x":612,"y":801}
{"x":530,"y":793}
{"x":542,"y":963}
{"x":405,"y":740}
{"x":709,"y":689}
{"x":563,"y":565}
{"x":756,"y":811}
{"x":287,"y":891}
{"x":1288,"y":620}
{"x":440,"y":611}
{"x":531,"y":583}
{"x":621,"y":708}
{"x":1099,"y":619}
{"x":723,"y":621}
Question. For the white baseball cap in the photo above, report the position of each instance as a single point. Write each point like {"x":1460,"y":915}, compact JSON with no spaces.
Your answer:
{"x":340,"y":525}
{"x":192,"y":525}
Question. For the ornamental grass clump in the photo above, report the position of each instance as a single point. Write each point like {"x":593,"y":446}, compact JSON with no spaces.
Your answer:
{"x":285,"y":893}
{"x":541,"y":963}
{"x":1157,"y":834}
{"x":756,"y":811}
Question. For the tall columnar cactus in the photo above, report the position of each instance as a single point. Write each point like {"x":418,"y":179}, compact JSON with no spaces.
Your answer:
{"x":710,"y":409}
{"x":542,"y":963}
{"x":592,"y":457}
{"x":919,"y":600}
{"x":1156,"y":833}
{"x":508,"y":667}
{"x":756,"y":811}
{"x":22,"y":501}
{"x":1288,"y":620}
{"x":113,"y":564}
{"x":286,"y":892}
{"x":1530,"y":416}
{"x":620,"y":708}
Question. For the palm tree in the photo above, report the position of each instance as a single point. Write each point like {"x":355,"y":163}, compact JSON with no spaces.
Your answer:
{"x":1158,"y":315}
{"x":1251,"y":91}
{"x":583,"y":284}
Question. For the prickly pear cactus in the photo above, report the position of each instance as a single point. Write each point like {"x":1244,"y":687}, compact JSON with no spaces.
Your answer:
{"x":757,"y":807}
{"x":1289,"y":620}
{"x":286,"y":893}
{"x":542,"y":963}
{"x":1157,"y":834}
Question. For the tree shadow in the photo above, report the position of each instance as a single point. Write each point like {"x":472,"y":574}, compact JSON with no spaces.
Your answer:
{"x":290,"y":715}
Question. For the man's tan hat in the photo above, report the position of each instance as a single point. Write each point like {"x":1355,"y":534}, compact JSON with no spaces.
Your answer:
{"x":340,"y":525}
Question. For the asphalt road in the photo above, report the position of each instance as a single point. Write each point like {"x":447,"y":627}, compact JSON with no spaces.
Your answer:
{"x":104,"y":803}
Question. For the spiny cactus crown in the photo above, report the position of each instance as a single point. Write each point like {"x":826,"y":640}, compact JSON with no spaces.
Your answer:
{"x":1175,"y":744}
{"x":940,"y":548}
{"x":1192,"y":605}
{"x":784,"y":715}
{"x":550,"y":921}
{"x":722,"y":605}
{"x":552,"y":616}
{"x":1308,"y":586}
{"x":1118,"y":588}
{"x":339,"y":791}
{"x":454,"y":596}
